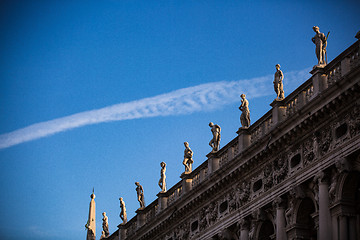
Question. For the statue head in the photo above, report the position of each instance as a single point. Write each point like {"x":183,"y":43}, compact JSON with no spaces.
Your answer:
{"x":137,"y":183}
{"x":277,"y":66}
{"x":243,"y":96}
{"x":315,"y":28}
{"x":186,"y":144}
{"x":121,"y":199}
{"x":104,"y":214}
{"x":163,"y":164}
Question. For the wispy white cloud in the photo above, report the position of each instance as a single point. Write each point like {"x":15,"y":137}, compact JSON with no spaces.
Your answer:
{"x":203,"y":97}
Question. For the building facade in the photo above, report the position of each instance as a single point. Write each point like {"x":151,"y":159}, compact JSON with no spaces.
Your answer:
{"x":293,"y":174}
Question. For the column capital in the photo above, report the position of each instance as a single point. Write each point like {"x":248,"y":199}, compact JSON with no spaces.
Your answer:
{"x":279,"y":202}
{"x":244,"y":224}
{"x":321,"y":178}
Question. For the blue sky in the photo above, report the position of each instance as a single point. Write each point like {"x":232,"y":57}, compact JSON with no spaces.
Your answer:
{"x":98,"y":93}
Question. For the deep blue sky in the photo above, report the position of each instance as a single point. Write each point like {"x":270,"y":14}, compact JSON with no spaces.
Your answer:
{"x":60,"y":58}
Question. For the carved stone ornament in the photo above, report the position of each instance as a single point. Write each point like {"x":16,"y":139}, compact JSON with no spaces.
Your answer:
{"x":333,"y":185}
{"x":244,"y":193}
{"x":268,"y":176}
{"x":280,"y":170}
{"x":289,"y":212}
{"x":354,"y":121}
{"x":342,"y":165}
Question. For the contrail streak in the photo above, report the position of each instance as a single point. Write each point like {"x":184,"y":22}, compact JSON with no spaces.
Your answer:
{"x":203,"y":97}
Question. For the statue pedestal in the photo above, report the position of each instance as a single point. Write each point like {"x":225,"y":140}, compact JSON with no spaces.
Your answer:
{"x":186,"y":182}
{"x":213,"y":162}
{"x":244,"y":138}
{"x":122,"y":231}
{"x":319,"y":79}
{"x":141,"y":217}
{"x":278,"y":111}
{"x":162,"y":201}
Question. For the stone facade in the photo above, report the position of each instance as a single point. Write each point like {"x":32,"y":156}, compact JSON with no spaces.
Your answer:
{"x":293,"y":174}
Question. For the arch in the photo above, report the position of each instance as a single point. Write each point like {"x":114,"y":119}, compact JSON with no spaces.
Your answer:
{"x":305,"y":224}
{"x":266,"y":230}
{"x":349,"y":215}
{"x":349,"y":187}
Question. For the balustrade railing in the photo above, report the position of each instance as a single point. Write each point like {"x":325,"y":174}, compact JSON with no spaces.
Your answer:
{"x":174,"y":193}
{"x":354,"y":58}
{"x":334,"y":74}
{"x":131,"y":227}
{"x":151,"y":211}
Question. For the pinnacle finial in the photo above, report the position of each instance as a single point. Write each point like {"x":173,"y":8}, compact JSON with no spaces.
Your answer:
{"x":93,"y":194}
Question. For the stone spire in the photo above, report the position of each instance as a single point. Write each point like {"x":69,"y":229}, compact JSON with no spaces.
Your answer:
{"x":91,"y":225}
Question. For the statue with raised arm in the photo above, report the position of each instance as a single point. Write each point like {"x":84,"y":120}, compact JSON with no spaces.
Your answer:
{"x":188,"y":161}
{"x":162,"y":181}
{"x":140,"y":195}
{"x":215,"y":141}
{"x":245,"y":115}
{"x":278,"y":83}
{"x":105,"y":224}
{"x":320,"y":41}
{"x":123,"y":215}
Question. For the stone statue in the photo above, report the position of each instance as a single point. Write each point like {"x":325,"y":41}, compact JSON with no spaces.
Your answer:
{"x":105,"y":224}
{"x":320,"y":42}
{"x":245,"y":115}
{"x":103,"y":236}
{"x":162,"y":181}
{"x":278,"y":83}
{"x":140,"y":195}
{"x":289,"y":212}
{"x":215,"y":141}
{"x":188,"y":161}
{"x":123,"y":215}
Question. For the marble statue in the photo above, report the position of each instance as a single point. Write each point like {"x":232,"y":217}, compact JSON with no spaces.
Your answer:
{"x":105,"y":224}
{"x":215,"y":141}
{"x":188,"y":161}
{"x":140,"y":195}
{"x":123,"y":215}
{"x":162,"y":181}
{"x":278,"y":83}
{"x":245,"y":115}
{"x":320,"y":42}
{"x":103,"y":236}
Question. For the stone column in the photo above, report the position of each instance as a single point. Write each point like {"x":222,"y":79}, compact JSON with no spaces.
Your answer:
{"x":280,"y":220}
{"x":278,"y":111}
{"x":352,"y":228}
{"x":186,"y":182}
{"x":343,"y":227}
{"x":140,"y":218}
{"x":244,"y":138}
{"x":319,"y":80}
{"x":122,"y":231}
{"x":244,"y":229}
{"x":324,"y":211}
{"x":213,"y":162}
{"x":162,"y":201}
